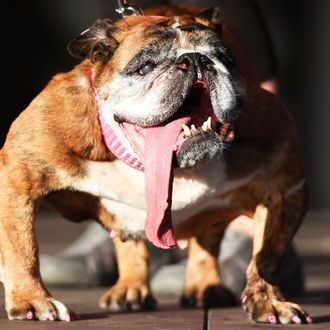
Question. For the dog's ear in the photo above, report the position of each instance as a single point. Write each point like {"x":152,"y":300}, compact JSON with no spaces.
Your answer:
{"x":213,"y":16}
{"x":95,"y":43}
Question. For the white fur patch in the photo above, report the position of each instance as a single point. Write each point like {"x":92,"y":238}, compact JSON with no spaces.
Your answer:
{"x":62,"y":311}
{"x":114,"y":181}
{"x":126,"y":103}
{"x":219,"y":66}
{"x":177,"y":23}
{"x":127,"y":218}
{"x":122,"y":192}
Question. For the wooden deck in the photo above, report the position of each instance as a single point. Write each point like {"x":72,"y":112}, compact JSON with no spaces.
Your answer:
{"x":168,"y":316}
{"x":311,"y":241}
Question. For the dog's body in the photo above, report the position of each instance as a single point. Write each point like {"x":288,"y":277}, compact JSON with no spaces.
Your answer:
{"x":57,"y":150}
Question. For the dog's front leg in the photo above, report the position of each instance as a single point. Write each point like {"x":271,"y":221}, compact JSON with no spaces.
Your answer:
{"x":132,"y":290}
{"x":26,"y":296}
{"x":203,"y":285}
{"x":276,"y":221}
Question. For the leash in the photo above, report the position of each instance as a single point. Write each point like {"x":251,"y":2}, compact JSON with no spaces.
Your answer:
{"x":126,"y":9}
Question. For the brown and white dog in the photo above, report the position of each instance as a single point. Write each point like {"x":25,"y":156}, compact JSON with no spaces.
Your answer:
{"x":139,"y":136}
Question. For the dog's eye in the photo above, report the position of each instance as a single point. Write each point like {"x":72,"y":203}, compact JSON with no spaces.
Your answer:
{"x":146,"y":68}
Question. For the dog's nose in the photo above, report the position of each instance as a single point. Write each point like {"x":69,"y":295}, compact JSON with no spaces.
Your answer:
{"x":195,"y":61}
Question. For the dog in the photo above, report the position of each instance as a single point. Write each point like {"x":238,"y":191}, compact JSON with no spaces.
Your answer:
{"x":161,"y":133}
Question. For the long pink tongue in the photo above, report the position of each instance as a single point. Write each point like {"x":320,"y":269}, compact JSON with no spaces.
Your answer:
{"x":158,"y":171}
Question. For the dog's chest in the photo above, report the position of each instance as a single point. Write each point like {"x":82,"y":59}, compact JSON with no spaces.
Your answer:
{"x":122,"y":191}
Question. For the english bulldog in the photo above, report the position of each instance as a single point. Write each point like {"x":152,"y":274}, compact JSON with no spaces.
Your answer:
{"x":160,"y":133}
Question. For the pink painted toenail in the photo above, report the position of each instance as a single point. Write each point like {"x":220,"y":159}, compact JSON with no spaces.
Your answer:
{"x":29,"y":315}
{"x":182,"y":244}
{"x":244,"y":299}
{"x":112,"y":234}
{"x":272,"y":319}
{"x":296,"y":319}
{"x":67,"y":317}
{"x":50,"y":316}
{"x":309,"y":320}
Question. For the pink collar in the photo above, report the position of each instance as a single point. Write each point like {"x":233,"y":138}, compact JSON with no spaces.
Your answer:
{"x":112,"y":141}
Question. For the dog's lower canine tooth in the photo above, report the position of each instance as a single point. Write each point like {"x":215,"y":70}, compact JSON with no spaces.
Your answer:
{"x":193,"y":128}
{"x":209,"y":121}
{"x":186,"y":130}
{"x":205,"y":127}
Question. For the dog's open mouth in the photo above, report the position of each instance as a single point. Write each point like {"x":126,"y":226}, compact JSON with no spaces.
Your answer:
{"x":190,"y":136}
{"x":195,"y":121}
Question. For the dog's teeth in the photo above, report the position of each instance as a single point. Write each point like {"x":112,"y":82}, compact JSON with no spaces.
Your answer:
{"x":186,"y":130}
{"x":205,"y":127}
{"x":209,"y":121}
{"x":193,"y":128}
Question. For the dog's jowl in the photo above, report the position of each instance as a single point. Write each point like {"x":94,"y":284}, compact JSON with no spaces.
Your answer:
{"x":160,"y":133}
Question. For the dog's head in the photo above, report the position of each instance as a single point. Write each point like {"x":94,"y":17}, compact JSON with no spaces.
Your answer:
{"x":167,"y":85}
{"x":157,"y":70}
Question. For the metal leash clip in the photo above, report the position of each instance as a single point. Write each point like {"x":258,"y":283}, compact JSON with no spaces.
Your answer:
{"x":125,"y":9}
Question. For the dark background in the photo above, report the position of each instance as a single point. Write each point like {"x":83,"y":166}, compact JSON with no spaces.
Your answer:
{"x":35,"y":34}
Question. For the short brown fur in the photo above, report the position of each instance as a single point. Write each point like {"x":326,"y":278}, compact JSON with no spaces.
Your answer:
{"x":60,"y":130}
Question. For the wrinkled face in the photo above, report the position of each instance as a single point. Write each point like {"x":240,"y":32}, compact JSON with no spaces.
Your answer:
{"x":167,"y":95}
{"x":182,"y":70}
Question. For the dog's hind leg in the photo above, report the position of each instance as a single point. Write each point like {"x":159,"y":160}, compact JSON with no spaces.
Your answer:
{"x":276,"y":221}
{"x":132,"y":290}
{"x":203,"y":285}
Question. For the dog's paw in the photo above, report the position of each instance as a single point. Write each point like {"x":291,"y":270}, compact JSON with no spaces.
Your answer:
{"x":43,"y":309}
{"x":265,"y":307}
{"x":211,"y":296}
{"x":128,"y":296}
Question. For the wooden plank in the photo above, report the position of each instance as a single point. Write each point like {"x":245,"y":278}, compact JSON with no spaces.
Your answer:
{"x":227,"y":319}
{"x":234,"y":318}
{"x":168,"y":316}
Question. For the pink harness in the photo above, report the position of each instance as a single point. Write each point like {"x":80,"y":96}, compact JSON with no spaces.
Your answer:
{"x":112,"y":141}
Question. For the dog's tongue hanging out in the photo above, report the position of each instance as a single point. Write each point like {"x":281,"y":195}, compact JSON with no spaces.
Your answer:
{"x":158,"y":170}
